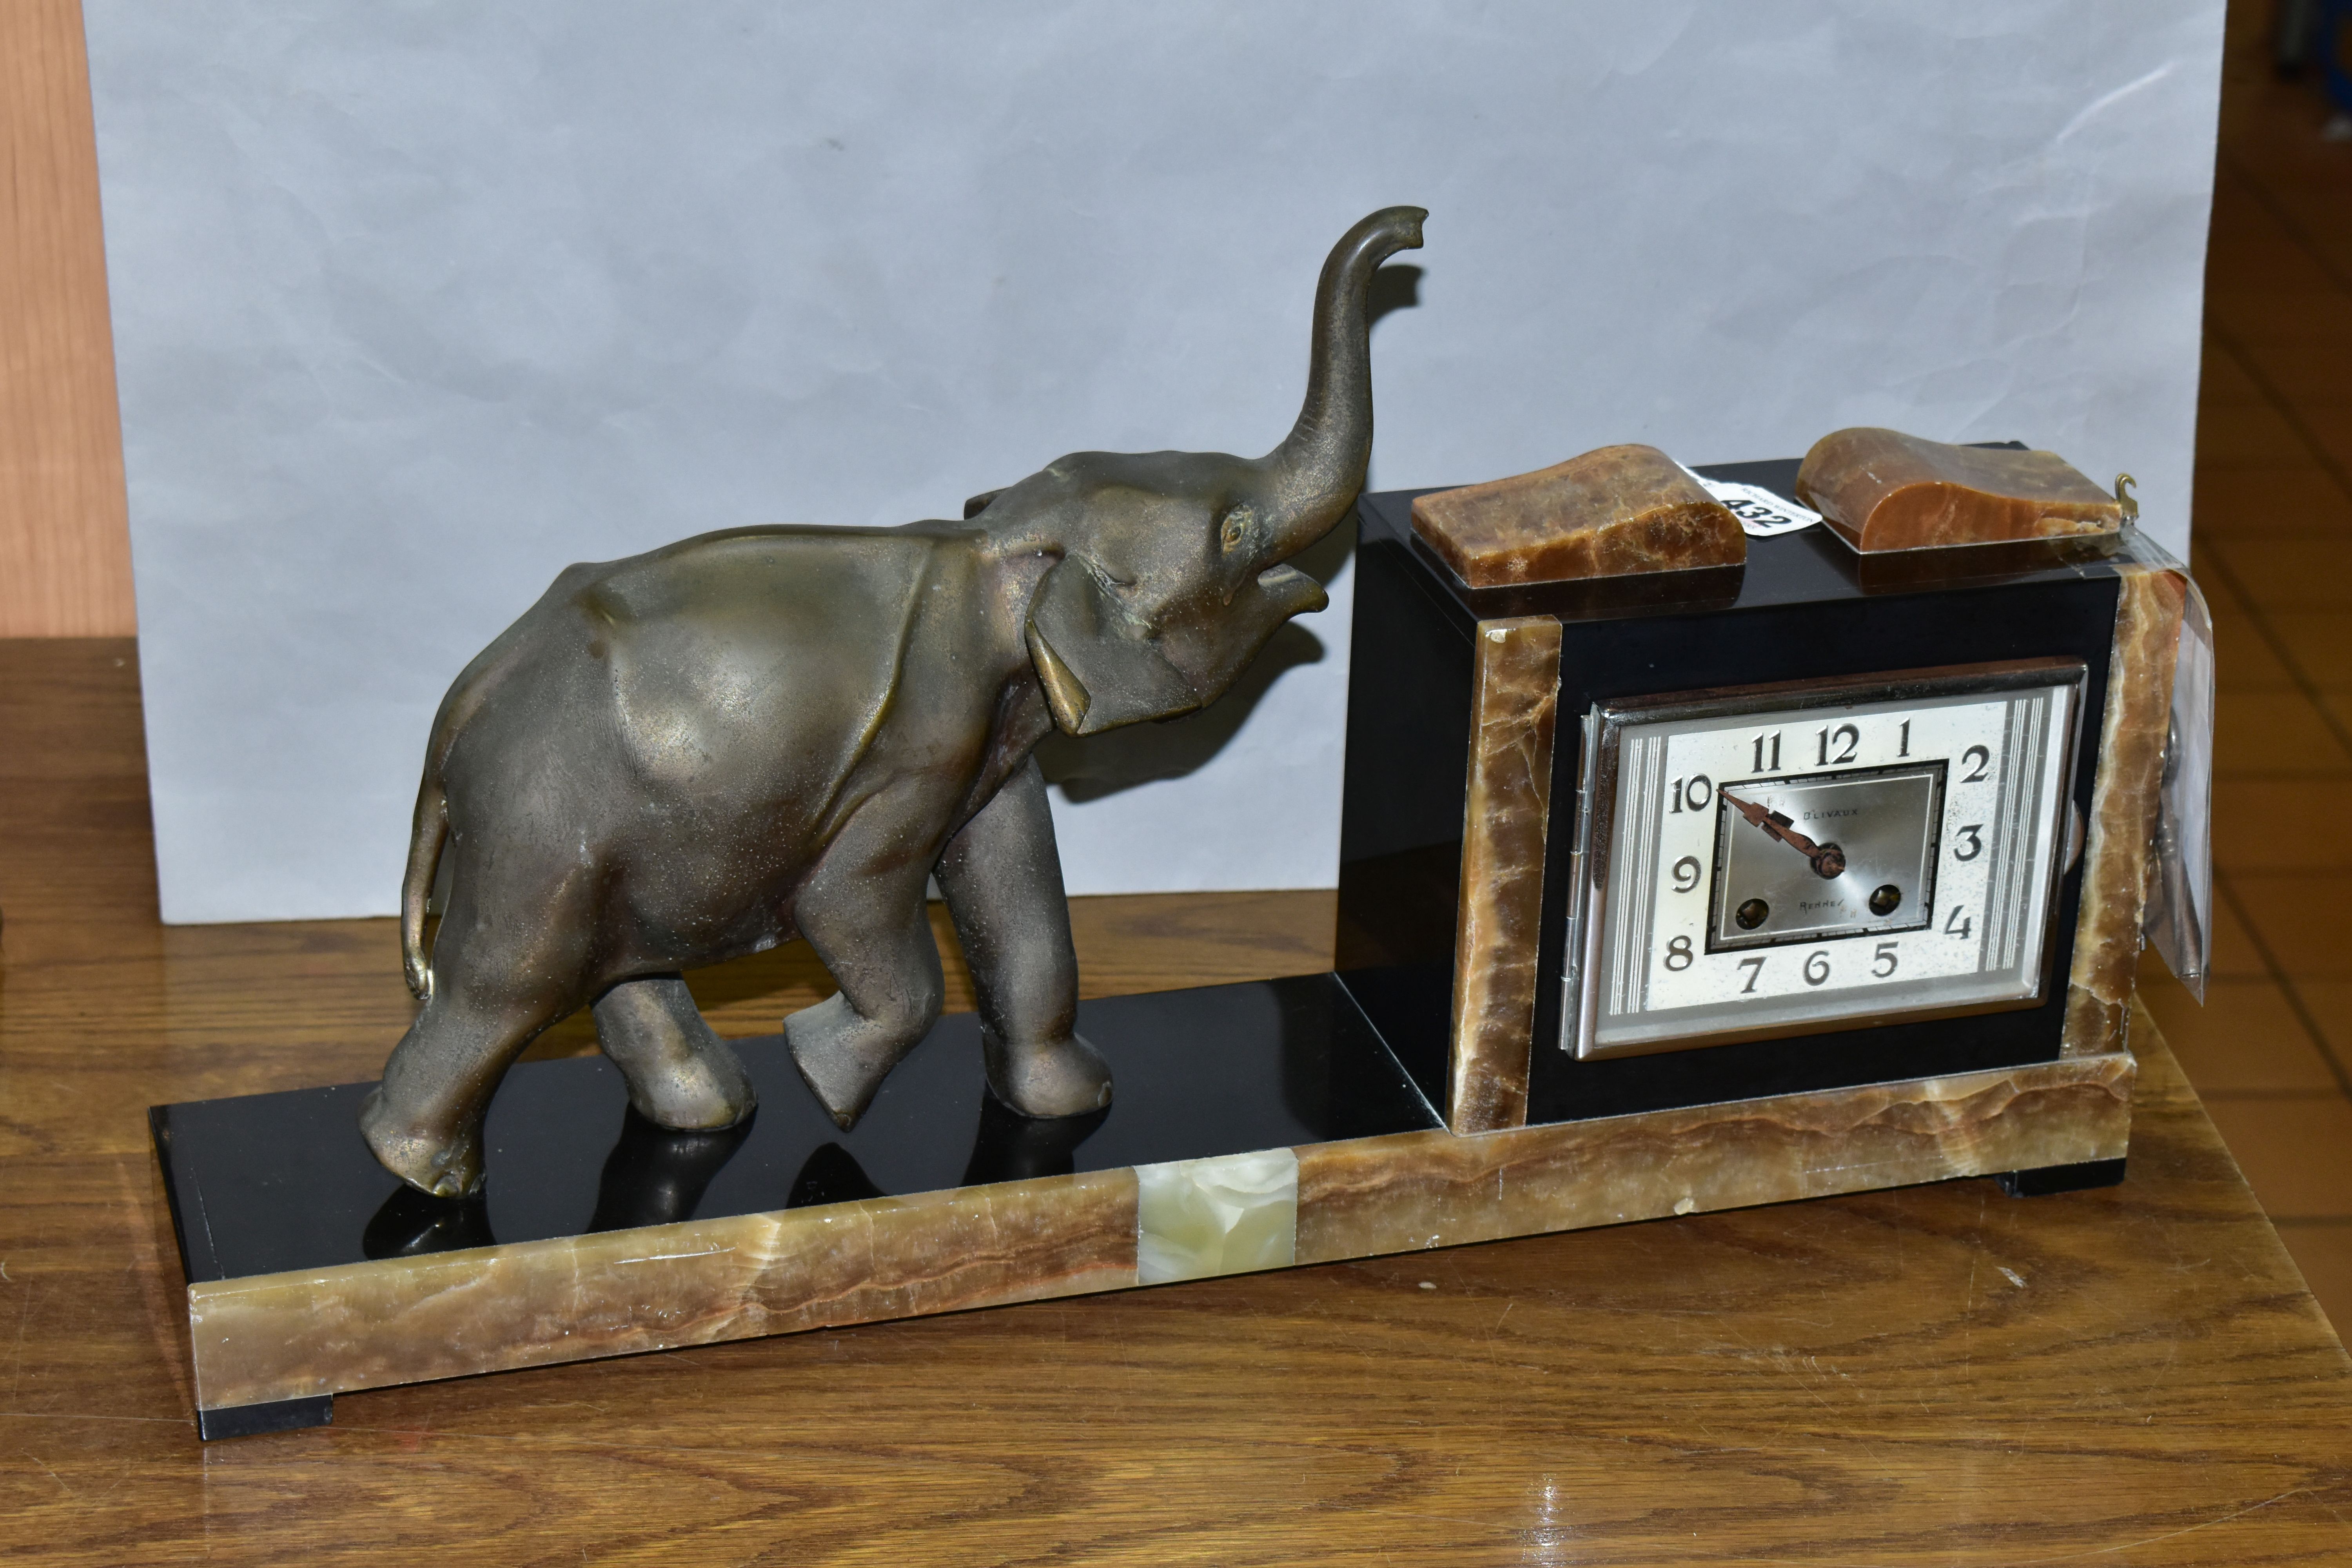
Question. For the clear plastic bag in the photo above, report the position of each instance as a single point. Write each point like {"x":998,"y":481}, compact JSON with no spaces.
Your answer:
{"x":2179,"y":919}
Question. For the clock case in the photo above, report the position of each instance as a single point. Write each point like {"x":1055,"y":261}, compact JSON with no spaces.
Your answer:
{"x":1465,"y":762}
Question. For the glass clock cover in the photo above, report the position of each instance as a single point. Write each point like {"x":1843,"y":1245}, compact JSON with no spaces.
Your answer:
{"x":1785,"y":860}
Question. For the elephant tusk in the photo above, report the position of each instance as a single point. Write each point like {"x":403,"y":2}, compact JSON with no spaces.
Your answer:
{"x":1064,"y":692}
{"x":1297,"y":593}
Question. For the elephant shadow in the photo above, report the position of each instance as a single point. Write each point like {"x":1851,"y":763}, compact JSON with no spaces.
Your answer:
{"x":653,"y":1175}
{"x":1006,"y":1147}
{"x":656,"y":1176}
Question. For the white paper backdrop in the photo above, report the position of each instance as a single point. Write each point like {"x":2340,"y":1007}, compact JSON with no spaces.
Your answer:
{"x":416,"y":303}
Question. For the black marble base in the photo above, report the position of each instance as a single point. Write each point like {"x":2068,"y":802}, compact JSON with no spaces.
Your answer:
{"x":2049,"y":1180}
{"x":277,"y":1416}
{"x":1298,"y":1138}
{"x":270,"y":1183}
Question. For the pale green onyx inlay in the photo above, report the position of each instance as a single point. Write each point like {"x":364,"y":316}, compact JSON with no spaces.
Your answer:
{"x":1229,"y":1215}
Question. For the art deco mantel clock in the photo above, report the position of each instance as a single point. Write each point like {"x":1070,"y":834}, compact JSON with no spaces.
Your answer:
{"x":1881,"y":802}
{"x":1680,"y":870}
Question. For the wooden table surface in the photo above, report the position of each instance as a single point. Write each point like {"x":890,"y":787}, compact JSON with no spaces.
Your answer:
{"x":1937,"y":1376}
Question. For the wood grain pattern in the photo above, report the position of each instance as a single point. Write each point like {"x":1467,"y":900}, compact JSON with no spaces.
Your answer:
{"x":1932,"y":1375}
{"x":65,"y":545}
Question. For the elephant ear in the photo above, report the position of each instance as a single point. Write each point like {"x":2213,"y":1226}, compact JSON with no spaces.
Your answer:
{"x":1099,"y":670}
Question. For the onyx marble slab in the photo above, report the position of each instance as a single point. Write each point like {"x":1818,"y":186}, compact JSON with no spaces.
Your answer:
{"x":1615,"y":511}
{"x":1505,"y":825}
{"x":1884,"y":490}
{"x":2121,"y":830}
{"x":1417,"y":1190}
{"x":1308,"y":1143}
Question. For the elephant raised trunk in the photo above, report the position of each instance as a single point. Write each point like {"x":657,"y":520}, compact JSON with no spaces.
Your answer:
{"x":1319,"y":467}
{"x":1172,"y":574}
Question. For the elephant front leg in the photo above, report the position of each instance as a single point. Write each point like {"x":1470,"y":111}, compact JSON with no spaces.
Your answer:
{"x":680,"y":1075}
{"x":862,"y":910}
{"x":1003,"y":877}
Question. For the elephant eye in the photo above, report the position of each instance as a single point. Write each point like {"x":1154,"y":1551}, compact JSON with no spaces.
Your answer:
{"x":1237,"y":527}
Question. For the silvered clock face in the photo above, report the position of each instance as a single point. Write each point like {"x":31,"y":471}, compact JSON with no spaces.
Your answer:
{"x":1783,"y":860}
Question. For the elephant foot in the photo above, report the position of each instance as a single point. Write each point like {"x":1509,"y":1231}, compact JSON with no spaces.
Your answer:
{"x":680,"y":1075}
{"x":441,"y":1163}
{"x":701,"y":1093}
{"x":843,"y":1058}
{"x":1061,"y":1077}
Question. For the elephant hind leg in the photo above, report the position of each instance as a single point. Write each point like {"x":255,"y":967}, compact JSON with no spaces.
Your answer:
{"x":680,"y":1075}
{"x":424,"y":1122}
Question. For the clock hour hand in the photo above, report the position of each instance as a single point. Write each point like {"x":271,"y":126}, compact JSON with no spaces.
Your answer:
{"x":1827,"y":859}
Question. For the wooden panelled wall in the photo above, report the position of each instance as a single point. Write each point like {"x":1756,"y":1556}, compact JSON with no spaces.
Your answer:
{"x":65,"y":544}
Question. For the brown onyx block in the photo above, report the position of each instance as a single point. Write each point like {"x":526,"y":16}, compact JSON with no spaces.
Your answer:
{"x":408,"y":1319}
{"x":304,"y":1334}
{"x":1882,"y":489}
{"x":2116,"y":848}
{"x":1612,"y":511}
{"x":1504,"y":818}
{"x":1420,"y":1190}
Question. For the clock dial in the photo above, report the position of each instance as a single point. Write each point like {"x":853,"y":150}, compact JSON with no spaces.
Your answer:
{"x":1783,"y":860}
{"x":1773,"y":884}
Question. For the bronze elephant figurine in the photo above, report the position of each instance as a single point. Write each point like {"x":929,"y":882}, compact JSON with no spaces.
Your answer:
{"x":708,"y":750}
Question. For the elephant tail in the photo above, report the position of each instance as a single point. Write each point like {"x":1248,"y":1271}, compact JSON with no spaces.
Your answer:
{"x":425,"y":841}
{"x":430,"y":833}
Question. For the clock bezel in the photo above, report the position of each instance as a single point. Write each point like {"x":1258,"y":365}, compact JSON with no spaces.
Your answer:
{"x":1589,"y":861}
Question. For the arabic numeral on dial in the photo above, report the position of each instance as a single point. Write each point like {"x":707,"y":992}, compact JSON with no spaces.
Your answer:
{"x":1977,"y":759}
{"x":1693,"y":791}
{"x":1881,"y":962}
{"x":1685,"y":873}
{"x":1844,"y":736}
{"x":1972,"y":839}
{"x":1817,"y":967}
{"x":1760,"y":765}
{"x":1678,"y":954}
{"x":1956,"y":926}
{"x":1755,"y":966}
{"x":1904,"y":747}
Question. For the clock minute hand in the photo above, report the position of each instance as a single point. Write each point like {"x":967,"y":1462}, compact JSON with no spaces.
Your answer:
{"x":1827,"y":859}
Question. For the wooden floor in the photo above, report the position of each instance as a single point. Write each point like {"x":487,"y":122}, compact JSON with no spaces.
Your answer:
{"x":2272,"y":1050}
{"x":1937,"y":1375}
